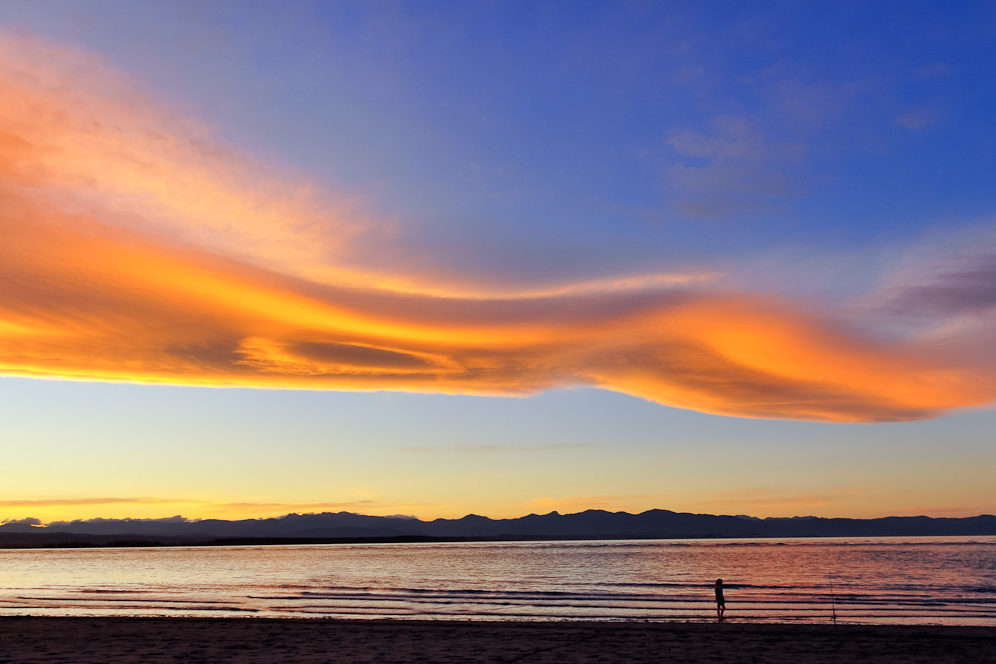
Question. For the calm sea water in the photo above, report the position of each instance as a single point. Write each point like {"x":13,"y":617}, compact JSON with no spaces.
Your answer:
{"x":875,"y":580}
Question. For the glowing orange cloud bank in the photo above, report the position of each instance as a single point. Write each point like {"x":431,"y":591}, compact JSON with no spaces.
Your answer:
{"x":132,"y":248}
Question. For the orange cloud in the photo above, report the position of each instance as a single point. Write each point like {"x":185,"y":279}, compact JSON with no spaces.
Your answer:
{"x":136,"y":249}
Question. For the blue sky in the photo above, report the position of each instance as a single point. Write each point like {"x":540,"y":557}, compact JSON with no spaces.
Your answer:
{"x":497,"y":129}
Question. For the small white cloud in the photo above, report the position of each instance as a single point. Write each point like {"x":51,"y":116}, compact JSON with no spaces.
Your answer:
{"x":732,"y":169}
{"x":915,"y":120}
{"x":935,"y":70}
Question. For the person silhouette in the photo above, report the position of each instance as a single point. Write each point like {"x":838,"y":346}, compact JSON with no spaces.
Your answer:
{"x":720,"y":601}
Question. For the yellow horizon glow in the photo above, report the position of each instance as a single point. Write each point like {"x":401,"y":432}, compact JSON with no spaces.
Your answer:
{"x":843,"y":505}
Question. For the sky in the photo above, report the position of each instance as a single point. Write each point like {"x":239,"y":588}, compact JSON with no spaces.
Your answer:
{"x":498,"y":258}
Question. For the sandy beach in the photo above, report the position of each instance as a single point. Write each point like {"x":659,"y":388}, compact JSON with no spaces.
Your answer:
{"x":150,"y":640}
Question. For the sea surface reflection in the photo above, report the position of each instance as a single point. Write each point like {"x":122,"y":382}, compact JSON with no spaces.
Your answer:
{"x":874,"y":580}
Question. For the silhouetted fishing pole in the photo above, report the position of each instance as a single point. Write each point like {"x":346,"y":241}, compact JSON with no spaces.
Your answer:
{"x":833,"y":603}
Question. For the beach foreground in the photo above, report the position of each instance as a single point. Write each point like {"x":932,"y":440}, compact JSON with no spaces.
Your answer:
{"x":149,"y":640}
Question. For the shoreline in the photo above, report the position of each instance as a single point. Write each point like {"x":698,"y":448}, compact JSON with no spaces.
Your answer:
{"x":57,"y":541}
{"x":86,"y":640}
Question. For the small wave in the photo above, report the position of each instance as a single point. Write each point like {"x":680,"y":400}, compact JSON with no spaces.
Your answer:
{"x":132,"y":600}
{"x":173,"y":609}
{"x":727,"y":586}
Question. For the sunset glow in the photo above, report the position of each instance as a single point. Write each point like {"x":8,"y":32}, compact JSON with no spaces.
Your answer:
{"x":138,"y":252}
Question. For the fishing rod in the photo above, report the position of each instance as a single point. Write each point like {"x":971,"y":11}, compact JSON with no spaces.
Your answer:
{"x":833,"y":603}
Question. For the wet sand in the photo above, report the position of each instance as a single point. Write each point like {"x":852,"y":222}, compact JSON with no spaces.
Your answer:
{"x":150,"y":640}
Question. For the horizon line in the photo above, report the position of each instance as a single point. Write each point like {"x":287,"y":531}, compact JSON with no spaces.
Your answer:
{"x":34,"y":522}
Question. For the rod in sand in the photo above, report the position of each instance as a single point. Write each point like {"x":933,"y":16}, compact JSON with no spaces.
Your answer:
{"x":833,"y":603}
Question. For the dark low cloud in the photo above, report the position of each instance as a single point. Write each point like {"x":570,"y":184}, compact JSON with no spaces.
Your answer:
{"x":357,"y":356}
{"x":56,"y":525}
{"x":27,"y":521}
{"x":965,"y":285}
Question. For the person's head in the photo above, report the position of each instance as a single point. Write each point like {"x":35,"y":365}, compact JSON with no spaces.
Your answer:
{"x":719,"y":582}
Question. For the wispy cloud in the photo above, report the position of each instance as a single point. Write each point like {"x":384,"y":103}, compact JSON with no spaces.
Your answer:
{"x":768,"y":499}
{"x":59,"y":502}
{"x":806,"y":101}
{"x":137,"y":249}
{"x":918,"y":119}
{"x":731,"y":168}
{"x":205,"y":507}
{"x":617,"y":502}
{"x":936,"y":70}
{"x":964,"y":284}
{"x":492,"y":449}
{"x":347,"y":505}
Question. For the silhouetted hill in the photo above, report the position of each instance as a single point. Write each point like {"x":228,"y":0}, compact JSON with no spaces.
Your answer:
{"x":590,"y":524}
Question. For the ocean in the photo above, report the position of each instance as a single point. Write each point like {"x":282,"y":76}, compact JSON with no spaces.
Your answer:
{"x":936,"y":580}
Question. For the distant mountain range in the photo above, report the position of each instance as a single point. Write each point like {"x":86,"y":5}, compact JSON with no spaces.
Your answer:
{"x":591,"y":524}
